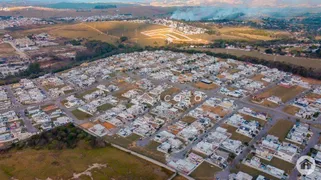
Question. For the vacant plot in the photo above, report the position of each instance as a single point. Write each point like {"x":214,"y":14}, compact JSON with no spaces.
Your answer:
{"x":6,"y":50}
{"x":235,"y":135}
{"x":188,"y":119}
{"x":205,"y":171}
{"x":291,"y":109}
{"x":259,"y":77}
{"x":253,"y":172}
{"x":281,"y":129}
{"x":216,"y":110}
{"x":32,"y":164}
{"x":251,"y":118}
{"x":169,"y":93}
{"x":172,"y":35}
{"x":204,"y":86}
{"x":150,"y":151}
{"x":281,"y":164}
{"x":122,"y":141}
{"x":313,"y":96}
{"x":282,"y":92}
{"x":110,"y":31}
{"x":80,"y":115}
{"x":82,"y":94}
{"x":104,"y":107}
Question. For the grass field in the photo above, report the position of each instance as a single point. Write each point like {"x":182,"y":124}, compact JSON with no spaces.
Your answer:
{"x":144,"y":34}
{"x":122,"y":141}
{"x":150,"y":150}
{"x":241,"y":33}
{"x":104,"y":107}
{"x":205,"y":171}
{"x":31,"y":164}
{"x":281,"y":129}
{"x":80,"y":115}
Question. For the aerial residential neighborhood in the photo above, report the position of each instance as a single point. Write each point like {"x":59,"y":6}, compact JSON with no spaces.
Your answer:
{"x":160,"y":90}
{"x":213,"y":120}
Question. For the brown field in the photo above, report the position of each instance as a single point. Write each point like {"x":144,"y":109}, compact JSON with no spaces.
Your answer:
{"x":172,"y":35}
{"x":111,"y":31}
{"x":169,"y":92}
{"x":30,"y":164}
{"x":269,"y":104}
{"x":204,"y":86}
{"x":291,"y":109}
{"x":281,"y":129}
{"x":242,"y":33}
{"x":253,"y":172}
{"x":250,"y":118}
{"x":235,"y":135}
{"x":6,"y":50}
{"x":205,"y":171}
{"x":259,"y":77}
{"x":313,"y":96}
{"x":284,"y":93}
{"x":217,"y":110}
{"x":150,"y":151}
{"x":188,"y":119}
{"x":279,"y":163}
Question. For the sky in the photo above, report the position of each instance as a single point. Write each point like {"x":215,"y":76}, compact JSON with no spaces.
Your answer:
{"x":255,"y":3}
{"x":250,"y":2}
{"x":244,"y":3}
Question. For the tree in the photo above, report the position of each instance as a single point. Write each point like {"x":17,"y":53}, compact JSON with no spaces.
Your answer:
{"x":123,"y":38}
{"x":269,"y":51}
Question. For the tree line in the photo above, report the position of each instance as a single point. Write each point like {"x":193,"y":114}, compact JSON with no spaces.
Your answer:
{"x":62,"y":137}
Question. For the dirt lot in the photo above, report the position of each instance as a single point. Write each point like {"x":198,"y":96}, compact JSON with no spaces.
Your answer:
{"x":217,"y":110}
{"x":284,"y":93}
{"x":205,"y":171}
{"x":291,"y":109}
{"x":235,"y":135}
{"x":250,"y":118}
{"x":6,"y":50}
{"x":204,"y":86}
{"x":281,"y":129}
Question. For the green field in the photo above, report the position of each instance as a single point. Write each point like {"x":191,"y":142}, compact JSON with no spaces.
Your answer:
{"x":80,"y":115}
{"x":42,"y":164}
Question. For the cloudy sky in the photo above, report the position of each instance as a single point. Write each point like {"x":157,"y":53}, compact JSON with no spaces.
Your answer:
{"x":274,"y":3}
{"x":249,"y":3}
